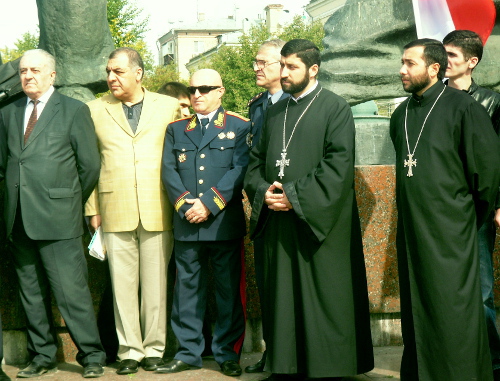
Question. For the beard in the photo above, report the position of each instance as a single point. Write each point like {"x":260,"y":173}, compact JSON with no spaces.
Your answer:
{"x":294,"y":88}
{"x":417,"y":83}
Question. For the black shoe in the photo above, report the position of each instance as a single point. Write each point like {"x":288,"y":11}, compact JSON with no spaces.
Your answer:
{"x":127,"y":367}
{"x":151,"y":363}
{"x":35,"y":370}
{"x":3,"y":376}
{"x":93,"y":370}
{"x":258,"y":367}
{"x":175,"y":366}
{"x":230,"y":368}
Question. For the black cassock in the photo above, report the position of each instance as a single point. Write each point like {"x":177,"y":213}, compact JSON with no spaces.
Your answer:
{"x":440,"y":207}
{"x":315,"y":296}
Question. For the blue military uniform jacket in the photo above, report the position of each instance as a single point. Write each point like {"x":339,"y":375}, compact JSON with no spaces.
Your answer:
{"x":257,"y":108}
{"x":210,"y":167}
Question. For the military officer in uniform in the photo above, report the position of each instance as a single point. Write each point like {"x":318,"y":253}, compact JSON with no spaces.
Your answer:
{"x":267,"y":70}
{"x":204,"y":162}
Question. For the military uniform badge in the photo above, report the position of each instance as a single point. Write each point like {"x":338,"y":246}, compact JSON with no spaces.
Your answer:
{"x":220,"y":120}
{"x":249,"y":139}
{"x":231,"y":135}
{"x":222,"y":135}
{"x":192,"y":124}
{"x":182,"y":158}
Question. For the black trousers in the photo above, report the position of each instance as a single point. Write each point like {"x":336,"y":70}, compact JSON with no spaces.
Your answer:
{"x":60,"y":266}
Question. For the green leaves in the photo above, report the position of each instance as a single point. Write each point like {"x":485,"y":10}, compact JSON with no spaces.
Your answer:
{"x":234,"y":63}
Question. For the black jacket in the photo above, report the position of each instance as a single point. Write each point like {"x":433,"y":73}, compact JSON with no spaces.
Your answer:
{"x":490,"y":101}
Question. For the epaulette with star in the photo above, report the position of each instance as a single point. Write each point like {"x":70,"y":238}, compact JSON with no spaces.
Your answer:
{"x":237,"y":116}
{"x":255,"y":98}
{"x":183,"y":118}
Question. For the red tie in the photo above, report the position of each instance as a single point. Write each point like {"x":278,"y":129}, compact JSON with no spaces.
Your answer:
{"x":31,"y":122}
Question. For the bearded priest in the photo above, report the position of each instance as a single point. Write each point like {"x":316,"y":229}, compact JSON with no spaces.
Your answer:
{"x":300,"y":182}
{"x":447,"y":177}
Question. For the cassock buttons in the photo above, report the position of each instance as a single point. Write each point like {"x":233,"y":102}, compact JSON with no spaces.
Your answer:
{"x":202,"y":156}
{"x":202,"y":168}
{"x":200,"y":181}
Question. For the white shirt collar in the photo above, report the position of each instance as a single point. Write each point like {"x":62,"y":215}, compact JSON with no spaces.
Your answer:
{"x":209,"y":116}
{"x":276,"y":96}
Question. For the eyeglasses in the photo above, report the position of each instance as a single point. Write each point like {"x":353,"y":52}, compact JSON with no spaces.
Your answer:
{"x":202,"y":89}
{"x":260,"y":65}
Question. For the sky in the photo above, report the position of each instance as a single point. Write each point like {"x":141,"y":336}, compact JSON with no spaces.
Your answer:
{"x":20,"y":16}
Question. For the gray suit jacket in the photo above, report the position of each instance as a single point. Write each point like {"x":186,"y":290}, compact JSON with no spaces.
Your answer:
{"x":54,"y":173}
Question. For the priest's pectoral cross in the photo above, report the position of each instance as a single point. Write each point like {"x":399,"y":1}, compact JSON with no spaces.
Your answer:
{"x":284,"y":162}
{"x":410,"y":163}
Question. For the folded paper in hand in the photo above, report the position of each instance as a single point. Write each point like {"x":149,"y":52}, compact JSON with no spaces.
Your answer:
{"x":97,"y":248}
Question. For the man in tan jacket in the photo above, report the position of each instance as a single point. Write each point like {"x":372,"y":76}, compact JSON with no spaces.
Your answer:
{"x":132,"y":207}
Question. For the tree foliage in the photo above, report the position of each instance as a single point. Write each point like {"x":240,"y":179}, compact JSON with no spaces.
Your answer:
{"x":27,"y":41}
{"x":125,"y":22}
{"x":161,"y":75}
{"x":128,"y":28}
{"x":234,"y":63}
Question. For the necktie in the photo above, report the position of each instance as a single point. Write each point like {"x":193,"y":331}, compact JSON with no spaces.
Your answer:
{"x":31,"y":122}
{"x":204,"y":124}
{"x":269,"y":102}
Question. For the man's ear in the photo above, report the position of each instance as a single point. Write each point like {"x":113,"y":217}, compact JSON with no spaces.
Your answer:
{"x":433,"y":69}
{"x":313,"y":71}
{"x":473,"y":61}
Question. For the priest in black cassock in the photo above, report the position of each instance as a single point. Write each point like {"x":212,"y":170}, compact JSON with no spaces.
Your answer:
{"x":300,"y":182}
{"x":447,"y":176}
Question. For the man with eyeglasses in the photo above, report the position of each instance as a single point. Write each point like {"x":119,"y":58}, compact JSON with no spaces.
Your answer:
{"x":204,"y":162}
{"x":267,"y":75}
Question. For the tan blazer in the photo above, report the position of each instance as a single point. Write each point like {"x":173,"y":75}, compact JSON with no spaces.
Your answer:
{"x":129,"y":187}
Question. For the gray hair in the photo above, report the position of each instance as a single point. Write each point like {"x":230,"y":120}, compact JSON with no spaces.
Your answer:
{"x":50,"y":61}
{"x":276,"y":44}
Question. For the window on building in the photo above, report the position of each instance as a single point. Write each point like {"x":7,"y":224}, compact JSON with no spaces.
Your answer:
{"x":199,"y":47}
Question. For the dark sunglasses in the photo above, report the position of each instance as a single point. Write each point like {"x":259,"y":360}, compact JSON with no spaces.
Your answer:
{"x":202,"y":89}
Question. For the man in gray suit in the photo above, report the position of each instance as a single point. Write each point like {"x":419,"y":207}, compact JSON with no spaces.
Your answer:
{"x":50,"y":163}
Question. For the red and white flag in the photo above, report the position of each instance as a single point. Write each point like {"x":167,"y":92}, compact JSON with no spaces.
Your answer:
{"x":436,"y":18}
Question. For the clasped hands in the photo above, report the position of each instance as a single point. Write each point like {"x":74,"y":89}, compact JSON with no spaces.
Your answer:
{"x":277,"y":201}
{"x":198,"y":212}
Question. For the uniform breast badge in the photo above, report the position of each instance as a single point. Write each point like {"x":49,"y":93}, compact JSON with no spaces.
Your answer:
{"x":222,"y":135}
{"x":249,"y":139}
{"x":182,"y":158}
{"x":231,"y":135}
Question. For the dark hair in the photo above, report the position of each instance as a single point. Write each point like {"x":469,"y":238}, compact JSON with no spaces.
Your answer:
{"x":434,"y":52}
{"x":174,"y":89}
{"x":305,"y":50}
{"x":134,"y":58}
{"x":468,"y":41}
